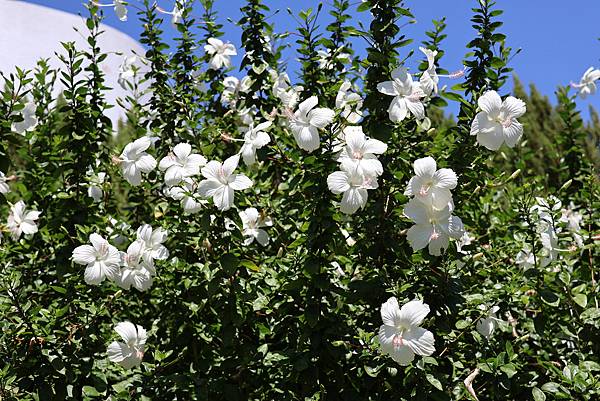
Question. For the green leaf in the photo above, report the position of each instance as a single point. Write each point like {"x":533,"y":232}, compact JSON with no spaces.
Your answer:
{"x":549,"y":297}
{"x":250,"y":265}
{"x":581,"y":300}
{"x":229,"y":262}
{"x":551,"y":387}
{"x":434,"y":382}
{"x":510,"y":369}
{"x":90,"y":391}
{"x":538,"y":395}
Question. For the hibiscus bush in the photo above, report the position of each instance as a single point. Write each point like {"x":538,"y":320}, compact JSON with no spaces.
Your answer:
{"x":329,"y":233}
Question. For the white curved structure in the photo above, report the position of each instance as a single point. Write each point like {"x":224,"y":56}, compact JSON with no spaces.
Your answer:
{"x":29,"y":32}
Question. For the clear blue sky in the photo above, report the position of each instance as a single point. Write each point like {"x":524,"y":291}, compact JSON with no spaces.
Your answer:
{"x":559,"y":39}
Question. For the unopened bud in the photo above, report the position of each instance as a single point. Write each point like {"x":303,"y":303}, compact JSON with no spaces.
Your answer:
{"x":566,"y":185}
{"x":226,"y":137}
{"x":116,"y":160}
{"x":514,"y":175}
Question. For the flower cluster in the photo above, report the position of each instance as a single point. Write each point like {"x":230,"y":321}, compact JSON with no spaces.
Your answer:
{"x":431,"y":207}
{"x":132,"y":268}
{"x":551,"y":231}
{"x":359,"y":169}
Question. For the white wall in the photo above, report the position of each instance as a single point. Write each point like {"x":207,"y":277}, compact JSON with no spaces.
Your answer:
{"x":29,"y":32}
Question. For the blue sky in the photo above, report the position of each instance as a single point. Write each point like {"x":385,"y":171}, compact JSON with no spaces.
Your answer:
{"x":559,"y":42}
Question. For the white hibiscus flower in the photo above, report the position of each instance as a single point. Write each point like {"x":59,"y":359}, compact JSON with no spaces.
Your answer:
{"x":121,"y":9}
{"x":359,"y":152}
{"x":134,"y":160}
{"x":181,"y":163}
{"x":350,"y":103}
{"x":186,"y":194}
{"x":252,"y":221}
{"x":136,"y":271}
{"x":130,"y":352}
{"x":354,"y":185}
{"x":30,"y":120}
{"x":400,"y":335}
{"x":497,"y":123}
{"x":430,"y":185}
{"x":127,"y":71}
{"x":486,"y":326}
{"x":153,"y":243}
{"x":306,"y":122}
{"x":407,"y":95}
{"x":221,"y":182}
{"x":254,"y":138}
{"x":101,"y":258}
{"x":233,"y":87}
{"x":4,"y":188}
{"x":433,"y":227}
{"x":221,"y":53}
{"x":22,"y":221}
{"x":429,"y":79}
{"x":587,"y":84}
{"x":95,"y":183}
{"x":525,"y":258}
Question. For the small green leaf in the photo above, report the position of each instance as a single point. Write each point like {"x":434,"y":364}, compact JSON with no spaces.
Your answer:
{"x":581,"y":300}
{"x":538,"y":395}
{"x":434,"y":382}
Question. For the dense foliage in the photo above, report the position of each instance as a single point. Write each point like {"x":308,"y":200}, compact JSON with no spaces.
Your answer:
{"x":219,"y":229}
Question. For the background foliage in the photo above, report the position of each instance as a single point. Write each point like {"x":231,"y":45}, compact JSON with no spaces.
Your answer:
{"x":297,"y":319}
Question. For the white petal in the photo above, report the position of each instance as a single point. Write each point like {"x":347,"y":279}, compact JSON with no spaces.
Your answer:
{"x":398,"y":109}
{"x":445,"y":178}
{"x":212,"y":170}
{"x":338,"y":182}
{"x":515,"y":107}
{"x":491,"y":138}
{"x":438,"y":245}
{"x":94,"y":273}
{"x":146,"y":163}
{"x":208,"y":188}
{"x":307,"y":138}
{"x":420,"y":341}
{"x":240,"y":182}
{"x":513,"y":133}
{"x":28,"y":227}
{"x":375,"y":146}
{"x":417,"y":211}
{"x":223,"y":198}
{"x":262,"y":237}
{"x":387,"y":88}
{"x":412,"y":313}
{"x":425,"y":167}
{"x":84,"y":255}
{"x":416,"y":108}
{"x":418,"y":236}
{"x":127,"y":331}
{"x":182,"y":150}
{"x":390,"y":312}
{"x":262,"y":138}
{"x":230,"y":164}
{"x":402,"y":354}
{"x":306,"y":106}
{"x":117,"y":351}
{"x":490,"y":102}
{"x":321,"y":117}
{"x":353,"y":199}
